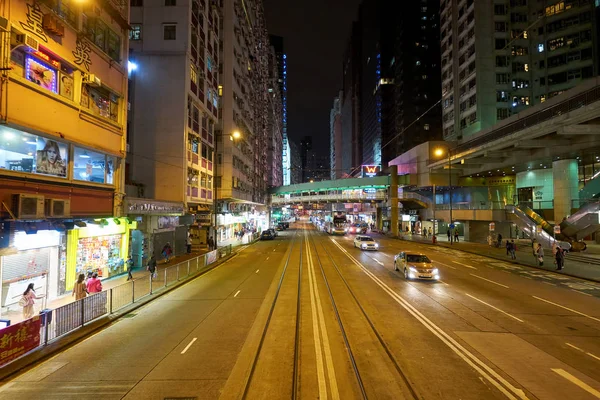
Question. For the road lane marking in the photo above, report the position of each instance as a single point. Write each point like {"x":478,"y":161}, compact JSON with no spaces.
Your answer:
{"x":464,"y":265}
{"x":316,"y":337}
{"x":377,"y":261}
{"x":323,"y":328}
{"x":549,"y":283}
{"x":567,"y":308}
{"x":189,"y":345}
{"x":583,"y":351}
{"x":577,"y":382}
{"x":445,"y":265}
{"x":488,"y":280}
{"x":257,"y":270}
{"x":473,"y":361}
{"x":587,"y":294}
{"x":236,"y":293}
{"x":274,"y":249}
{"x":267,"y":259}
{"x":494,"y":307}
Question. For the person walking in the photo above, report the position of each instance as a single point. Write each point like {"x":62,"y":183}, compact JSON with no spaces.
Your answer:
{"x":540,"y":254}
{"x":560,"y":258}
{"x":152,"y":266}
{"x":80,"y":289}
{"x":129,"y":264}
{"x":188,"y":243}
{"x":507,"y":248}
{"x":94,"y":285}
{"x":211,"y":243}
{"x":513,"y":250}
{"x":28,"y":300}
{"x":449,"y":235}
{"x":167,"y":250}
{"x":456,"y":235}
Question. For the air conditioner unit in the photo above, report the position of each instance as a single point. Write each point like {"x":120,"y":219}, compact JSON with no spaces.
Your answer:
{"x":18,"y":39}
{"x":28,"y":206}
{"x":58,"y":208}
{"x":92,"y":80}
{"x":4,"y":24}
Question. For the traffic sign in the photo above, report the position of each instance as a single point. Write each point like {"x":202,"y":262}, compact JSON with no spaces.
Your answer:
{"x":452,"y":226}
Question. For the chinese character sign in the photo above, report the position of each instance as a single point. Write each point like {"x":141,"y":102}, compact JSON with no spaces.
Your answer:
{"x":82,"y":54}
{"x":18,"y":339}
{"x":34,"y":24}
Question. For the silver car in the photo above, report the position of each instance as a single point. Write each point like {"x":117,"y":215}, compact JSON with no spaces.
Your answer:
{"x":415,"y":266}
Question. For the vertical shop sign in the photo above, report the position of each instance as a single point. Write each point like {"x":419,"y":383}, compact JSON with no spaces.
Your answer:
{"x":18,"y":339}
{"x":82,"y":54}
{"x":34,"y":24}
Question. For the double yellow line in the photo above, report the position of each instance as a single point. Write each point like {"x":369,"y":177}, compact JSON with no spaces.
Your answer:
{"x":320,"y":336}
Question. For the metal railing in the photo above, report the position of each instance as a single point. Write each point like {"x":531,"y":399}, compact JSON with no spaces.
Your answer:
{"x":480,"y":205}
{"x":329,"y":197}
{"x":72,"y":316}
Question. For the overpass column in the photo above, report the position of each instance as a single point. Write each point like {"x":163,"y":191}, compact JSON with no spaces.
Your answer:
{"x":394,"y":200}
{"x":565,"y":174}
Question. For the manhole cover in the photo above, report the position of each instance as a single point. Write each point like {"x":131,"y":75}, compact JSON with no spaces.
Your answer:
{"x":130,"y":315}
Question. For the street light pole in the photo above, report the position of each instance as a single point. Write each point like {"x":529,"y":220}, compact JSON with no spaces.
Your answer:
{"x":215,"y":197}
{"x":450,"y":192}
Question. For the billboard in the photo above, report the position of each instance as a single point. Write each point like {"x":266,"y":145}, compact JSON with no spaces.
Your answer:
{"x":369,"y":171}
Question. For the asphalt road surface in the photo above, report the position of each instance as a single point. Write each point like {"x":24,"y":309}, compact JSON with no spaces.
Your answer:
{"x":309,"y":316}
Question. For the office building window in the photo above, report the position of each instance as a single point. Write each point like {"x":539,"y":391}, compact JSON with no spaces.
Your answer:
{"x":170,"y":32}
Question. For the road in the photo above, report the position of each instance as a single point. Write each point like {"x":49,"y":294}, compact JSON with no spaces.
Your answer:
{"x":308,"y":316}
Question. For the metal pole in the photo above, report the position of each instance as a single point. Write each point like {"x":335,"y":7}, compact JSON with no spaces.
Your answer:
{"x":133,"y":290}
{"x":450,"y":192}
{"x":111,"y":300}
{"x":434,"y":233}
{"x":215,"y":201}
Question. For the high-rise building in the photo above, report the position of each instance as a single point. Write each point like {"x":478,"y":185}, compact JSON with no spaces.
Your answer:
{"x":399,"y":77}
{"x":275,"y":127}
{"x":172,"y":129}
{"x":335,"y":138}
{"x":350,"y":105}
{"x":63,"y":110}
{"x":281,"y":57}
{"x":317,"y":167}
{"x":296,"y":163}
{"x":305,"y":148}
{"x":500,"y":58}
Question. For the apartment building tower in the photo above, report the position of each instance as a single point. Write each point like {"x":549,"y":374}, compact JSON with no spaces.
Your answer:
{"x":281,"y":59}
{"x":335,"y":138}
{"x":499,"y":58}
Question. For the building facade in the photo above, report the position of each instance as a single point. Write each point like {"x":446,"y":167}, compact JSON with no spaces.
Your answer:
{"x":296,"y":163}
{"x":499,"y":59}
{"x":350,"y":104}
{"x":305,"y":156}
{"x":62,"y":145}
{"x":275,"y":127}
{"x":335,"y":138}
{"x":172,"y":127}
{"x":281,"y":58}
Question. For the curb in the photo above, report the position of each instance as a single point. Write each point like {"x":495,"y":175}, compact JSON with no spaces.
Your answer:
{"x":501,"y":259}
{"x":40,"y":354}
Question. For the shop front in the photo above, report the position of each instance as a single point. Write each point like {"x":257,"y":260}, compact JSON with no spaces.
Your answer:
{"x":37,"y":258}
{"x":241,"y":217}
{"x":101,"y":246}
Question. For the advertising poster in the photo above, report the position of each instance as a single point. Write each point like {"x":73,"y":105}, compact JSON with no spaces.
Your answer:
{"x":51,"y":158}
{"x":41,"y":74}
{"x":18,"y":339}
{"x":66,"y":86}
{"x":211,"y":257}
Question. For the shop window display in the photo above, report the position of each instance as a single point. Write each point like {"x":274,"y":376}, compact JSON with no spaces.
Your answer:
{"x":101,"y":102}
{"x":92,"y":167}
{"x":23,"y":152}
{"x":101,"y":254}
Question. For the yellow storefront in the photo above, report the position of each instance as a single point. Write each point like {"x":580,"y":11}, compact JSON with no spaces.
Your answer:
{"x":101,"y":246}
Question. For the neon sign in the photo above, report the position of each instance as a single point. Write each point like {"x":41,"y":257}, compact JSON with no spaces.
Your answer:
{"x":46,"y":58}
{"x":370,"y":170}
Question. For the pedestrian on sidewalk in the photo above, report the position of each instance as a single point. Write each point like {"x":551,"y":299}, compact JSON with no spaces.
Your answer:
{"x":507,"y":248}
{"x":188,"y":243}
{"x":560,"y":258}
{"x":152,"y":266}
{"x":79,"y":289}
{"x":129,"y":264}
{"x":456,"y":235}
{"x":499,"y":240}
{"x":449,"y":236}
{"x":211,"y":243}
{"x":513,"y":250}
{"x":28,"y":300}
{"x":94,"y":285}
{"x":540,"y":254}
{"x":167,"y":251}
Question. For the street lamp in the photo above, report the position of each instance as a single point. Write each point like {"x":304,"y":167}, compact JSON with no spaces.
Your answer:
{"x":440,"y":152}
{"x":235,"y":135}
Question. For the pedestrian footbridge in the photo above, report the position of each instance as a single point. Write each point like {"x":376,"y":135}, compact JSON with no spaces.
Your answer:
{"x":352,"y":190}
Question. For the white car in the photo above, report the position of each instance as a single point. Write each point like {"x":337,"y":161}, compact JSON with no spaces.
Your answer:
{"x":365,"y":243}
{"x":415,"y":266}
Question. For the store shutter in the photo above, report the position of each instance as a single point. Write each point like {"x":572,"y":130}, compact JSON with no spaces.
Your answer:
{"x":25,"y":263}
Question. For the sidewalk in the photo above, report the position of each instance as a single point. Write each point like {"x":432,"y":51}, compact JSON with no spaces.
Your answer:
{"x":17,"y":315}
{"x":524,"y":255}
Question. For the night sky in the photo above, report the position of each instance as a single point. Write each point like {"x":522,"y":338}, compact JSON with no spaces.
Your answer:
{"x":315,"y":34}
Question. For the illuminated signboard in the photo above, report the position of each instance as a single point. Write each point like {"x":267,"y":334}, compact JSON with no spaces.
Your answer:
{"x":370,"y":170}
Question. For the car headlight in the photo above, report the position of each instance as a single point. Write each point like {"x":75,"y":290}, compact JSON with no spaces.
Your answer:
{"x":363,"y":245}
{"x":435,"y":271}
{"x":413,"y":269}
{"x":376,"y":246}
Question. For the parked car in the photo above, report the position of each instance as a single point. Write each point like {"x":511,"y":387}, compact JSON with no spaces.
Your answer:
{"x":273,"y":231}
{"x":364,"y":242}
{"x":281,"y":225}
{"x":415,"y":266}
{"x":267,"y":235}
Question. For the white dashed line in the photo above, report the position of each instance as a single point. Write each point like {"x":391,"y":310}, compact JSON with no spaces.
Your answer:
{"x":464,"y":265}
{"x":189,"y":345}
{"x":587,"y":294}
{"x":488,"y":280}
{"x":577,"y":382}
{"x":236,"y":293}
{"x":257,"y":270}
{"x":494,"y":307}
{"x":567,"y":308}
